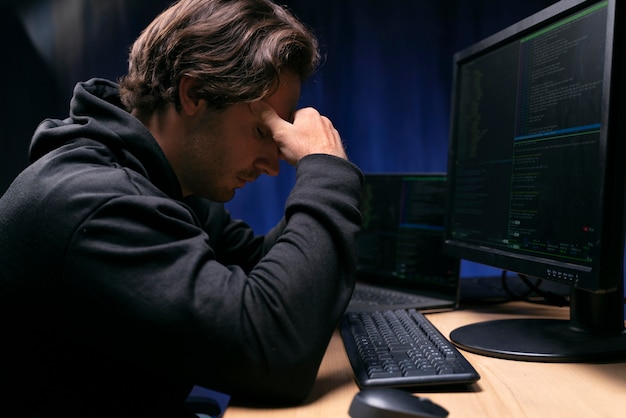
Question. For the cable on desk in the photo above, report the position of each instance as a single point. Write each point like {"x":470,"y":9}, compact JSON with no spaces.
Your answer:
{"x":549,"y":298}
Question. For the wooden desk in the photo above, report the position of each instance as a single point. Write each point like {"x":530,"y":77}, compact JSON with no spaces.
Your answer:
{"x":507,"y":389}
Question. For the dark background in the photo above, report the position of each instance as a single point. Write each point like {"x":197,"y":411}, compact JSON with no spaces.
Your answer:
{"x":385,"y":81}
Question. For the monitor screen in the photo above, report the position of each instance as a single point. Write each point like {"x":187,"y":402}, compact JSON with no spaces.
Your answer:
{"x":402,"y":233}
{"x":536,"y":175}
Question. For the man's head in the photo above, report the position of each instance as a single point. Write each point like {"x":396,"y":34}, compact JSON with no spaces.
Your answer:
{"x":193,"y":73}
{"x":235,"y":49}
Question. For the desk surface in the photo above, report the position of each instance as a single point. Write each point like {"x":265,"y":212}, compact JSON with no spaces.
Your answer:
{"x":506,"y":388}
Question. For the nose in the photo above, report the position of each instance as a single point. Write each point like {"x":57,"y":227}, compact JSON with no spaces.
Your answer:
{"x":269,"y":162}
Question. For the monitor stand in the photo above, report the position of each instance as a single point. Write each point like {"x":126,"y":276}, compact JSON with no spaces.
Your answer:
{"x":594,"y":333}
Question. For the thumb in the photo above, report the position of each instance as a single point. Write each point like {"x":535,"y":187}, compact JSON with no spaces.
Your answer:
{"x":267,"y":114}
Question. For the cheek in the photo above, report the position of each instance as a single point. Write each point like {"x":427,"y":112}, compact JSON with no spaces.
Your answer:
{"x":239,"y":152}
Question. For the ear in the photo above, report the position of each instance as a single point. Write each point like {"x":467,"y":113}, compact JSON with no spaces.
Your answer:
{"x":189,"y":102}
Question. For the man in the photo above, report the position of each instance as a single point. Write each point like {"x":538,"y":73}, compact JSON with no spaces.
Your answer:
{"x":123,"y":280}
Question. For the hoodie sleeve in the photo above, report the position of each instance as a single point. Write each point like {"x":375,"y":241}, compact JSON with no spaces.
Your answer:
{"x":156,"y":288}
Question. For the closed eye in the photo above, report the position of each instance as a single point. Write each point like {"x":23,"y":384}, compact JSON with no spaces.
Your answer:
{"x":261,"y":133}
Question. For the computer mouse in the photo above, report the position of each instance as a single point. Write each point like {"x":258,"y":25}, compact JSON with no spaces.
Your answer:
{"x":393,"y":403}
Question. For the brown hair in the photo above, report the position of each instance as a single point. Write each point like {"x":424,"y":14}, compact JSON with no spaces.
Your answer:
{"x":234,"y":48}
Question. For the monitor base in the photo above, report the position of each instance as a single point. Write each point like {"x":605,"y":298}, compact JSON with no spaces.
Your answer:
{"x":539,"y":340}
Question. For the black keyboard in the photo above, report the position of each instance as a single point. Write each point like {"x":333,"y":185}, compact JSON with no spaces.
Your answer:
{"x":378,"y":296}
{"x":401,"y":348}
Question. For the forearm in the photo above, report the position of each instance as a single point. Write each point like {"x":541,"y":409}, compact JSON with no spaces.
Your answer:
{"x":296,"y":295}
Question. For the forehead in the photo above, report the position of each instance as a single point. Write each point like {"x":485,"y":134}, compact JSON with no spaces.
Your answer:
{"x":285,"y":99}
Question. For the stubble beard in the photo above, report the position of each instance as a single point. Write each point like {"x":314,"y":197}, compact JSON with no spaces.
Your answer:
{"x":206,"y":163}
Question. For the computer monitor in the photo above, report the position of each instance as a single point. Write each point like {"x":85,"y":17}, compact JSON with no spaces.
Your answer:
{"x":536,"y":175}
{"x":402,"y":231}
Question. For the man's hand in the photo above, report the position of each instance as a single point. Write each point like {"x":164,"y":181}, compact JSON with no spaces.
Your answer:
{"x":310,"y":133}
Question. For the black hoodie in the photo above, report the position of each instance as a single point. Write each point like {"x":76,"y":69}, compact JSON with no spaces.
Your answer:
{"x":117,"y":295}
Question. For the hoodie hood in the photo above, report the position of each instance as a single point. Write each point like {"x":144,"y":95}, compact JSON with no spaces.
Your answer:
{"x":96,"y":113}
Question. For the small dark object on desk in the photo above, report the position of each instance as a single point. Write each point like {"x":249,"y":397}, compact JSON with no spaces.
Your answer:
{"x":393,"y":403}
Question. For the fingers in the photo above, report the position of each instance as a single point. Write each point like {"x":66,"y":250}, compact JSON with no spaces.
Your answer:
{"x":310,"y":133}
{"x":321,"y":135}
{"x":267,"y":114}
